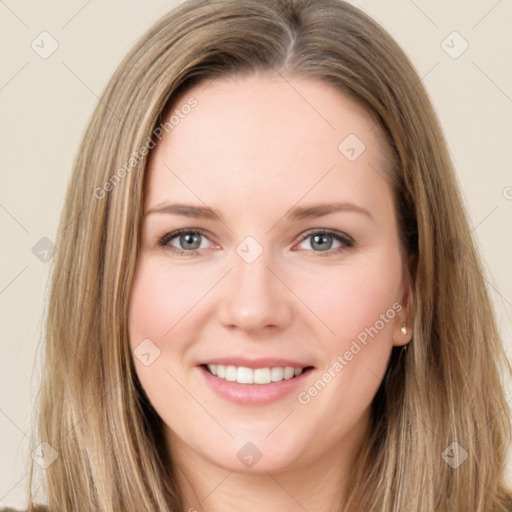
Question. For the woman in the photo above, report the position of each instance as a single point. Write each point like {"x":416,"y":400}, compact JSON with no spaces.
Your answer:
{"x":266,"y":294}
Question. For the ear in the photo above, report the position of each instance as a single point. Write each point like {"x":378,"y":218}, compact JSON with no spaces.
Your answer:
{"x":405,"y":316}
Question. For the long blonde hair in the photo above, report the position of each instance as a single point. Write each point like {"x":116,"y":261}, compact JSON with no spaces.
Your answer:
{"x":445,"y":389}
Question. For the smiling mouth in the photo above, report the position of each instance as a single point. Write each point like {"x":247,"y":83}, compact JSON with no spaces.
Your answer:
{"x":244,"y":375}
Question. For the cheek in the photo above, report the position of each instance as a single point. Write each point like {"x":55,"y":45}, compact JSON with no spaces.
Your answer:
{"x":160,"y":299}
{"x":357,"y":302}
{"x":157,"y":302}
{"x":147,"y":318}
{"x":161,"y":296}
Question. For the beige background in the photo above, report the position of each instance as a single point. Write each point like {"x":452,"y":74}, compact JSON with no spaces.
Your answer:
{"x":45,"y":104}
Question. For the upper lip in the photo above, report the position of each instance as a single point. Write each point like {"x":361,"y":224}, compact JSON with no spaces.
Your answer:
{"x":266,"y":362}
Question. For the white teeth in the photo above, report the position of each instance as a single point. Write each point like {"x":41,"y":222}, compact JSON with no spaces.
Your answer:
{"x":245,"y":375}
{"x":230,"y":373}
{"x":276,"y":374}
{"x":288,"y":372}
{"x":262,"y":376}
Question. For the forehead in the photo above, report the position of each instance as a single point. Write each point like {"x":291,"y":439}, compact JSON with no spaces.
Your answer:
{"x":258,"y":140}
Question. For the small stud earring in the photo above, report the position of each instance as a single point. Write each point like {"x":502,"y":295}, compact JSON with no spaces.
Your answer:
{"x":404,"y":329}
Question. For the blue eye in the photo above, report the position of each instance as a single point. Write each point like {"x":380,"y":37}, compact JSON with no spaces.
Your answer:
{"x":188,"y":241}
{"x":323,"y":242}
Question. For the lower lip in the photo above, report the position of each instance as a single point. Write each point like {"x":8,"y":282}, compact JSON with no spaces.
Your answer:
{"x":253,"y":394}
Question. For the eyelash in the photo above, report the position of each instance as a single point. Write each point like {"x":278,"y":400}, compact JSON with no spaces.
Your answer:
{"x":346,"y":241}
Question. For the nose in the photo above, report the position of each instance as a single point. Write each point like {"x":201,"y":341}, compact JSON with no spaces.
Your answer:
{"x":256,"y":298}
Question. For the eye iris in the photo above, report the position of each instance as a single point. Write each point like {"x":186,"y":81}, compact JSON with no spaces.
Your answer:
{"x":322,"y":242}
{"x":190,"y":238}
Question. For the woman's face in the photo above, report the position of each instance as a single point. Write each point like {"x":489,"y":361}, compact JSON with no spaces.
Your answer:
{"x":288,"y":261}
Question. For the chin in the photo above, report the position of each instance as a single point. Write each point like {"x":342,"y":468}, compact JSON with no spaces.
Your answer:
{"x":251,"y":454}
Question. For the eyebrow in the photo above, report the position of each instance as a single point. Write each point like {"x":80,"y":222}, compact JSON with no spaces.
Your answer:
{"x":297,"y":213}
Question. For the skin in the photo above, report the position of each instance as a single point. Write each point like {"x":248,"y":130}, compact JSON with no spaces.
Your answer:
{"x":251,"y":149}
